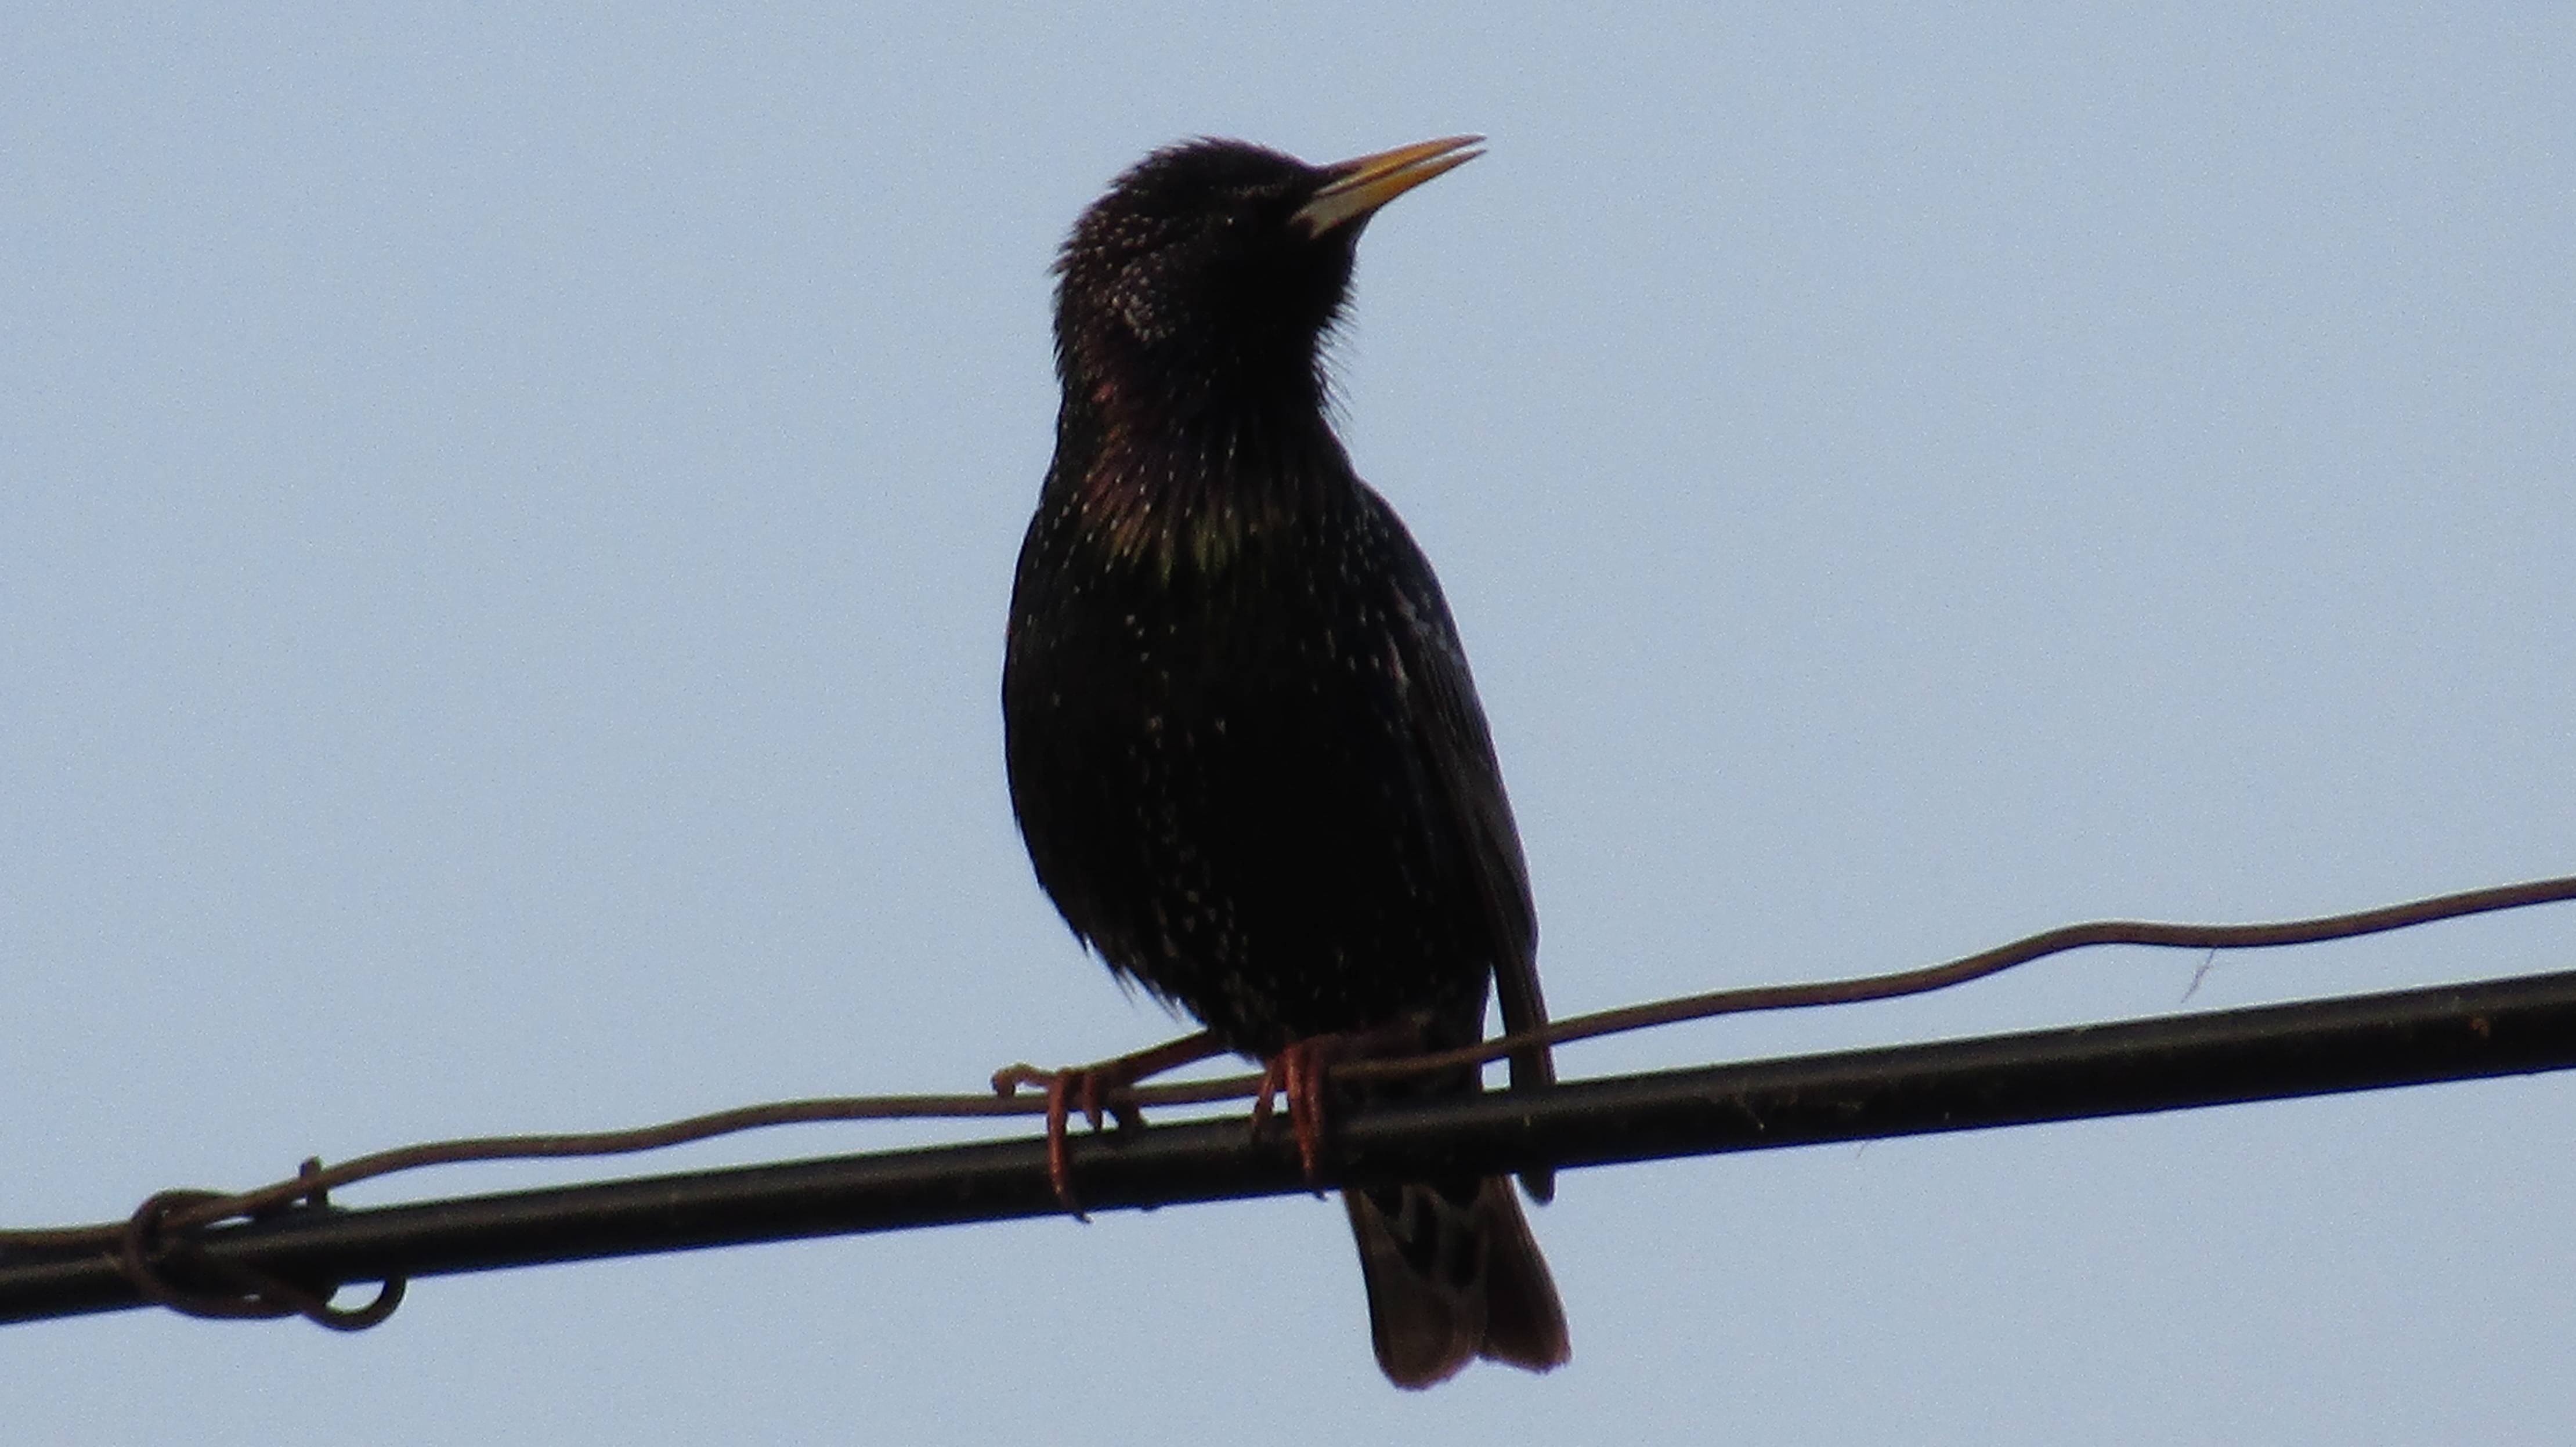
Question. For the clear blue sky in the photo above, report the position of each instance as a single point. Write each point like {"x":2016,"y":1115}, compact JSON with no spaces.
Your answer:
{"x":504,"y":527}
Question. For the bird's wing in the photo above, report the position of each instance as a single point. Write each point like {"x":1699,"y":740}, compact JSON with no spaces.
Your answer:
{"x":1457,"y":748}
{"x":1449,"y":729}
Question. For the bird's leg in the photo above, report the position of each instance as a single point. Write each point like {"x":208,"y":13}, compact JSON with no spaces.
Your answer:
{"x":1298,"y":1073}
{"x":1100,"y":1090}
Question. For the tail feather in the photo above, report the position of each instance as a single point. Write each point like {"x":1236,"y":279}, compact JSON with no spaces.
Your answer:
{"x":1453,"y":1274}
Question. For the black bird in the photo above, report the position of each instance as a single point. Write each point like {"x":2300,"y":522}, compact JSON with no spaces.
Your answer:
{"x":1244,"y":747}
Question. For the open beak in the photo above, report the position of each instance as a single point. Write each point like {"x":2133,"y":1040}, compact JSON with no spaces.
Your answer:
{"x":1361,"y":186}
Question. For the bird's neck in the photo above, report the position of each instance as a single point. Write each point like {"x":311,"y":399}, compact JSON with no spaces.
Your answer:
{"x":1193,"y":480}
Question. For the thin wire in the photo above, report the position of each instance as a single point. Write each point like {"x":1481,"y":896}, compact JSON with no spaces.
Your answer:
{"x":310,"y":1186}
{"x":1993,"y":962}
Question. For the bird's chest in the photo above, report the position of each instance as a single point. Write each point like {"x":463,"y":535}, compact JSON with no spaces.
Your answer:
{"x":1214,"y":777}
{"x":1211,"y":680}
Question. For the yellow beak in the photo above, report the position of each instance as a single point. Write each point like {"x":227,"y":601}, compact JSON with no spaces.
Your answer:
{"x":1361,"y":186}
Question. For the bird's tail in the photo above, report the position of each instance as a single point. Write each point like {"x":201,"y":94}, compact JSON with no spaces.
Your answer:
{"x":1453,"y":1274}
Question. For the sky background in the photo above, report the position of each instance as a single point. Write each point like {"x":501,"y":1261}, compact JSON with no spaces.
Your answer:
{"x":505,"y":521}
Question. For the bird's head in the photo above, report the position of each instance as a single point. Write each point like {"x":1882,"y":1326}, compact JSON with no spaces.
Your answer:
{"x":1217,"y":265}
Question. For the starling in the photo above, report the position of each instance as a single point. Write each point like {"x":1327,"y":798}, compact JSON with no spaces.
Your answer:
{"x":1244,"y":747}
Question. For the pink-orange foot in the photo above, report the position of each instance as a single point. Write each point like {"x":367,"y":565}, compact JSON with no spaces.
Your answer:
{"x":1099,"y":1090}
{"x":1297,"y":1073}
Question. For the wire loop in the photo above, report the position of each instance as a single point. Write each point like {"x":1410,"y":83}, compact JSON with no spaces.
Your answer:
{"x":170,"y":1268}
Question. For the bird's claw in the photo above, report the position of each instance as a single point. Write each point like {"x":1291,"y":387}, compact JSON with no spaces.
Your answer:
{"x":1298,"y":1072}
{"x":1089,"y":1088}
{"x":1100,"y":1092}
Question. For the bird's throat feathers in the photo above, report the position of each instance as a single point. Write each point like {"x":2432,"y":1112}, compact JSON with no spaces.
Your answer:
{"x":1193,"y":492}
